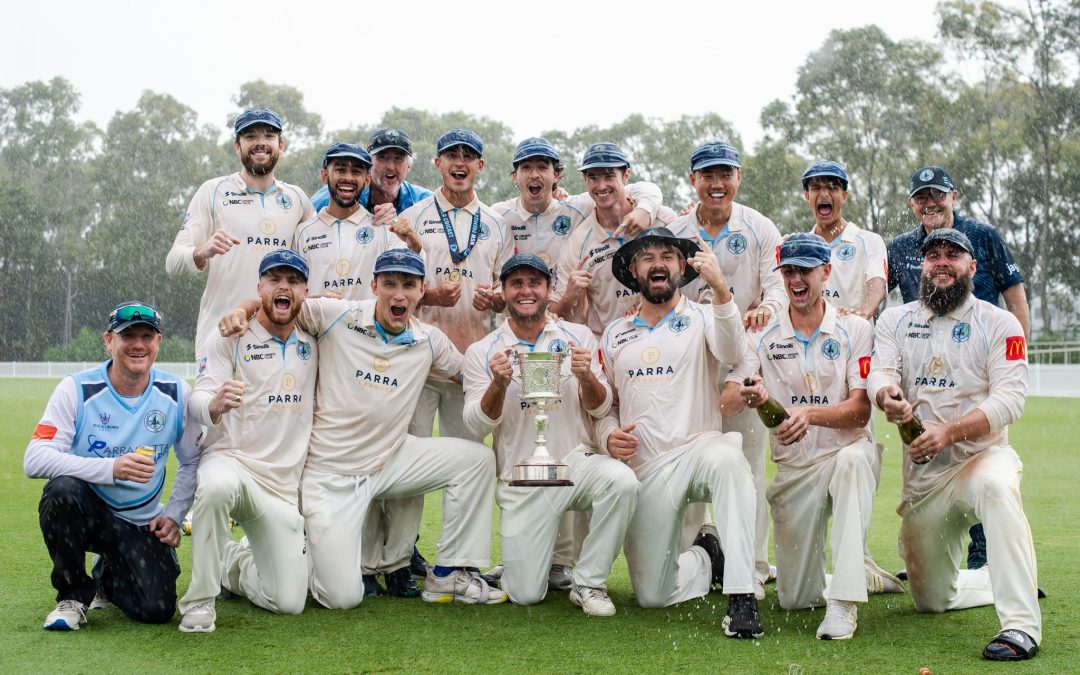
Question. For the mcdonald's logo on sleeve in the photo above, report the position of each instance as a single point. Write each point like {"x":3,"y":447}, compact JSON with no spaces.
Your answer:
{"x":44,"y":432}
{"x":864,"y":366}
{"x":777,"y":255}
{"x":1015,"y":348}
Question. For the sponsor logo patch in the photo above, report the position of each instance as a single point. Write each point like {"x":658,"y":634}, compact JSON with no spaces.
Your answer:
{"x":1015,"y":348}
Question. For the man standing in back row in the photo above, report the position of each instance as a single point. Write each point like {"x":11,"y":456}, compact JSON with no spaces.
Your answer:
{"x":233,"y":221}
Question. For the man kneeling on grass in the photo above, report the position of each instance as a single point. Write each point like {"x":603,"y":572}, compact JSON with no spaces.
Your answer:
{"x":255,"y":398}
{"x":103,"y":443}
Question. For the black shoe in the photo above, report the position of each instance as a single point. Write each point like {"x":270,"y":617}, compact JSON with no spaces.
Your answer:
{"x":743,"y":620}
{"x":372,"y":589}
{"x":902,"y":575}
{"x":400,"y":583}
{"x":709,"y":542}
{"x":418,"y":567}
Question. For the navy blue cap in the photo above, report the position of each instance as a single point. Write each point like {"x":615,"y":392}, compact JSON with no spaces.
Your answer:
{"x":253,"y":116}
{"x":400,"y":260}
{"x":459,"y":137}
{"x":520,"y":260}
{"x":825,"y":169}
{"x":948,"y":235}
{"x":930,"y":177}
{"x":804,"y":249}
{"x":534,"y":147}
{"x":385,"y":139}
{"x":133,"y":313}
{"x":714,"y":153}
{"x":620,"y":263}
{"x":283,"y":257}
{"x":346,"y":150}
{"x":604,"y":156}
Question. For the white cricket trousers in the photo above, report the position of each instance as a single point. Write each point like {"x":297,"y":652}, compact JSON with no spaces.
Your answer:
{"x":754,"y":435}
{"x":604,"y":488}
{"x":932,"y":539}
{"x":391,"y":526}
{"x":271,"y":570}
{"x":335,"y":506}
{"x":710,"y":468}
{"x":802,"y":499}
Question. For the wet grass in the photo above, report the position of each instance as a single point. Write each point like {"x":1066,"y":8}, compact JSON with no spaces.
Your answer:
{"x":388,"y":634}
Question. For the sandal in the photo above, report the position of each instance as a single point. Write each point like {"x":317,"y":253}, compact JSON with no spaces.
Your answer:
{"x":1011,"y":645}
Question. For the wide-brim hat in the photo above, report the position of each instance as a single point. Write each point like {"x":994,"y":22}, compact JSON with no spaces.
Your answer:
{"x":620,"y":263}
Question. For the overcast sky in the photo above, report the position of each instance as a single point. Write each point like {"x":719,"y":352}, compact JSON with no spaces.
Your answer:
{"x":534,"y":66}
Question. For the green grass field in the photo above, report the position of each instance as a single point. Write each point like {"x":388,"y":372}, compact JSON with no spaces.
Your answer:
{"x":390,"y":634}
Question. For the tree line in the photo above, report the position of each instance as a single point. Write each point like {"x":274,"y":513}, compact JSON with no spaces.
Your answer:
{"x":87,"y":214}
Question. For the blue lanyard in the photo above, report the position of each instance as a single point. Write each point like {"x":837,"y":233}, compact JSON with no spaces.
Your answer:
{"x":451,"y":236}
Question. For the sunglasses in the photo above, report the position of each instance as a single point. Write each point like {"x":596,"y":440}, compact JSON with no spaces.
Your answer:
{"x":134,"y":312}
{"x":938,"y":196}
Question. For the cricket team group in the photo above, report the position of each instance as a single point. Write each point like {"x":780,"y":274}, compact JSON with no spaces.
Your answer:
{"x":334,"y":330}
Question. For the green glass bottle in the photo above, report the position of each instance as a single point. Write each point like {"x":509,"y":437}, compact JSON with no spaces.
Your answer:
{"x":911,"y":429}
{"x":770,"y":412}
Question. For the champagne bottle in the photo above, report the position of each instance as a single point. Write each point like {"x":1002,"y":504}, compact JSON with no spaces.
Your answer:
{"x":770,"y":412}
{"x":911,"y":429}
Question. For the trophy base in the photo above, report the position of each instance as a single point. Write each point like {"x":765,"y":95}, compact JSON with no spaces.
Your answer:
{"x":541,"y":475}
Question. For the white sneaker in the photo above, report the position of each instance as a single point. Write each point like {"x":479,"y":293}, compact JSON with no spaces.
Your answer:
{"x":68,"y":615}
{"x":101,"y":602}
{"x":878,"y":580}
{"x":592,"y":601}
{"x":772,"y":573}
{"x":759,"y":589}
{"x":461,"y":586}
{"x":199,"y":619}
{"x":496,"y":572}
{"x":839,"y":622}
{"x":560,"y":577}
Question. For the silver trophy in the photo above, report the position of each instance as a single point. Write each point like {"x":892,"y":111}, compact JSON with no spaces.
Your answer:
{"x":540,"y":376}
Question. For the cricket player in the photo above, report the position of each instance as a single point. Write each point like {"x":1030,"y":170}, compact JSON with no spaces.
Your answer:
{"x":465,"y":244}
{"x":932,"y":196}
{"x":341,"y":245}
{"x":856,"y":283}
{"x":665,"y":364}
{"x":374,"y":357}
{"x":745,"y":244}
{"x":103,"y":443}
{"x":959,"y":364}
{"x":388,"y":194}
{"x":585,"y":289}
{"x":541,"y":224}
{"x":815,"y":361}
{"x":604,"y":488}
{"x":233,"y":221}
{"x":255,"y":398}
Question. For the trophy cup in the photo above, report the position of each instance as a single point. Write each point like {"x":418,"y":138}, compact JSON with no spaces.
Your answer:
{"x":540,"y":377}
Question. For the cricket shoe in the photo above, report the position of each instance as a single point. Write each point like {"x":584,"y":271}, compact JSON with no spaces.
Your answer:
{"x":839,"y":622}
{"x":878,"y":580}
{"x":372,"y":587}
{"x":400,"y":583}
{"x":68,"y":615}
{"x":743,"y":619}
{"x":560,"y":577}
{"x":101,"y":602}
{"x":592,"y":601}
{"x":461,"y":586}
{"x":199,"y":619}
{"x":711,"y":544}
{"x":496,"y":572}
{"x":417,"y":565}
